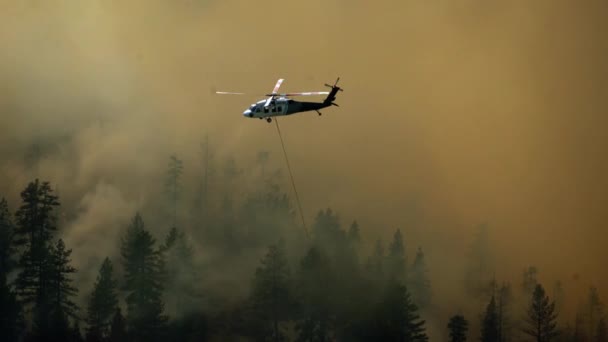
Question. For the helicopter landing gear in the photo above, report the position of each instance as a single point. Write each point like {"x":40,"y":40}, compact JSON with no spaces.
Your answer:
{"x":319,"y":113}
{"x":269,"y":120}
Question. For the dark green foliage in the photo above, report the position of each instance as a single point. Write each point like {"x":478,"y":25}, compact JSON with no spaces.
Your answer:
{"x":419,"y":281}
{"x":458,"y":326}
{"x":489,"y":328}
{"x":397,"y":317}
{"x":189,"y":328}
{"x":11,"y":321}
{"x":7,"y":248}
{"x":143,"y":283}
{"x":35,"y":226}
{"x":271,"y":297}
{"x":541,"y":317}
{"x":182,"y":275}
{"x":102,"y":304}
{"x":60,"y":281}
{"x":397,"y":259}
{"x":315,"y":319}
{"x":118,"y":328}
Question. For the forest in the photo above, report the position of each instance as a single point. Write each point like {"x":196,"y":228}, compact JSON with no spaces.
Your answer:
{"x":297,"y":284}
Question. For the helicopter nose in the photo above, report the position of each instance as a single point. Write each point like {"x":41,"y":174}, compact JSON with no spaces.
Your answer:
{"x":247,"y":113}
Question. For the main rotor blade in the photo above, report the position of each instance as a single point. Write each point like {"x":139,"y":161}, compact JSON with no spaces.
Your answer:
{"x":308,"y":93}
{"x":228,"y":93}
{"x":277,"y":86}
{"x":268,"y":102}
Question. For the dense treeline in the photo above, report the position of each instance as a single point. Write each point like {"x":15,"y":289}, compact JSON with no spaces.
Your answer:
{"x":320,"y":286}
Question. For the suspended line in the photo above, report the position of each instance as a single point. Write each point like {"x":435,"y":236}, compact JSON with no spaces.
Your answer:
{"x":293,"y":183}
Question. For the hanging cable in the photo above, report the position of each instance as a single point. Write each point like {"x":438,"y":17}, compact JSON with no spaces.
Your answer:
{"x":293,"y":183}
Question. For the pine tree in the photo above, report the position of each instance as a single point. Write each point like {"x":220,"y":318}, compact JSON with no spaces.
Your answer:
{"x":11,"y":321}
{"x":316,"y":319}
{"x":541,"y":318}
{"x":143,"y":277}
{"x":397,"y":260}
{"x":419,"y":281}
{"x":181,"y":273}
{"x":102,"y":304}
{"x":271,"y":297}
{"x":35,"y":227}
{"x":118,"y":329}
{"x":489,"y":328}
{"x":458,"y":326}
{"x":173,"y":184}
{"x":398,"y":318}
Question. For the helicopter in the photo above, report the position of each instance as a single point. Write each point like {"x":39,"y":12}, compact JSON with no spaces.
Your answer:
{"x":278,"y":104}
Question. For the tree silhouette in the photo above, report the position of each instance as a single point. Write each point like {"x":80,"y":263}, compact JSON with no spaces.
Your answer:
{"x":118,"y":328}
{"x":271,"y":297}
{"x":419,"y":281}
{"x":397,"y":259}
{"x":489,"y":328}
{"x":143,"y":277}
{"x":102,"y":304}
{"x":397,"y":318}
{"x":11,"y":321}
{"x":315,"y":319}
{"x":35,"y":225}
{"x":180,"y":271}
{"x":541,"y":317}
{"x":458,"y":326}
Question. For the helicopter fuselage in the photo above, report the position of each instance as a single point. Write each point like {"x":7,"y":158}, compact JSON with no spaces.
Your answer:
{"x":281,"y":106}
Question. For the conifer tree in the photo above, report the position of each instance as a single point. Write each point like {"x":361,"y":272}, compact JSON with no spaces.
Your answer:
{"x":419,"y":281}
{"x":35,"y":225}
{"x":354,"y":235}
{"x":143,"y":278}
{"x":489,"y":328}
{"x":271,"y":297}
{"x":541,"y":317}
{"x":34,"y":230}
{"x":315,"y":319}
{"x":102,"y":303}
{"x":11,"y":321}
{"x":118,"y":328}
{"x":398,"y":318}
{"x":397,"y":259}
{"x":180,"y":271}
{"x":458,"y":326}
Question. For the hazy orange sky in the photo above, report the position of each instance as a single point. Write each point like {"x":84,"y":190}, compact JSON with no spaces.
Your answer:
{"x":452,"y":114}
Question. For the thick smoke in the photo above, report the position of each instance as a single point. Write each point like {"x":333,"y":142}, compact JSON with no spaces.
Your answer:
{"x":453,"y":114}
